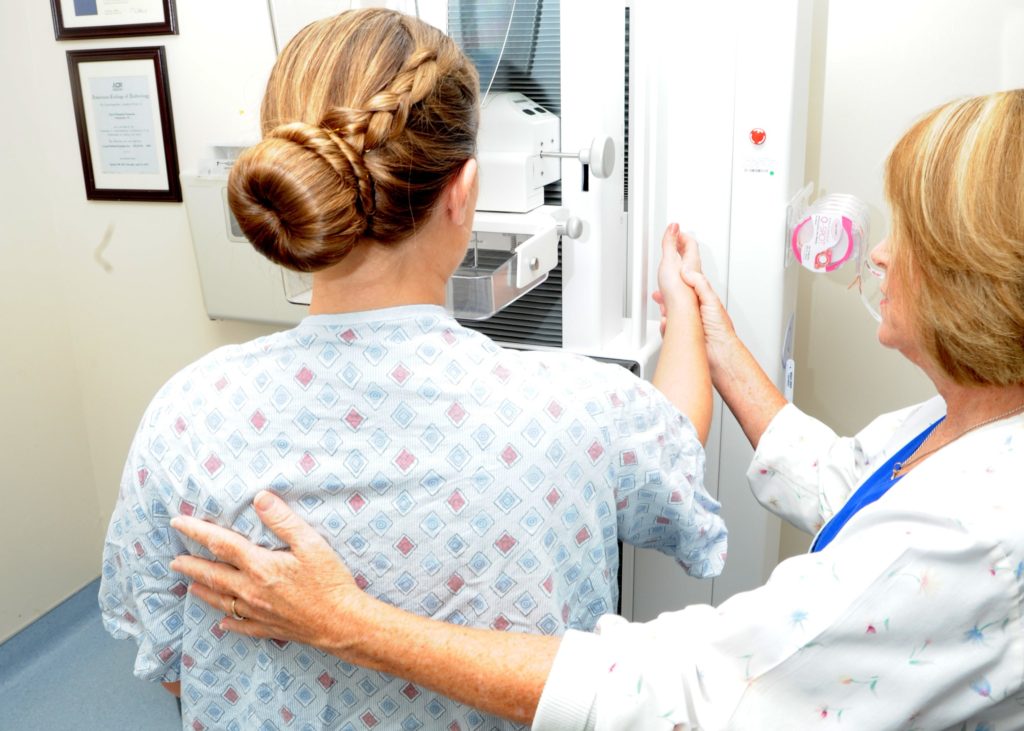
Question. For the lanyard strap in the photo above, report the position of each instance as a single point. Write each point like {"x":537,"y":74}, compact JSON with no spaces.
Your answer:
{"x":870,"y":490}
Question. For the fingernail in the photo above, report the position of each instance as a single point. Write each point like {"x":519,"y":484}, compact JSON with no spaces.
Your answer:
{"x":263,"y":500}
{"x":176,"y":522}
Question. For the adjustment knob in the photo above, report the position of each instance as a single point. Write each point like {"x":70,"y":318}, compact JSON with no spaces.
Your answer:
{"x":600,"y":157}
{"x":571,"y":227}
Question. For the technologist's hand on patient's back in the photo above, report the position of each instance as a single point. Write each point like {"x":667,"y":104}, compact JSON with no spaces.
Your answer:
{"x":297,"y":594}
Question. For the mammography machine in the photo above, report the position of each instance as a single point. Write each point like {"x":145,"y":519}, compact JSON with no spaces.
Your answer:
{"x":602,"y":123}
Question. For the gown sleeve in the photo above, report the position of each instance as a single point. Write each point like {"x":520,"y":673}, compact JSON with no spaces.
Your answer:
{"x":140,"y":597}
{"x":657,"y":465}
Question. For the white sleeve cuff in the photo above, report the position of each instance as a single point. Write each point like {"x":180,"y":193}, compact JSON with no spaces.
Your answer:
{"x":567,"y":703}
{"x":777,"y":437}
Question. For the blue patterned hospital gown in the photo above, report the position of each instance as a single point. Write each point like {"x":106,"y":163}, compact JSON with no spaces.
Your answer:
{"x":458,"y":479}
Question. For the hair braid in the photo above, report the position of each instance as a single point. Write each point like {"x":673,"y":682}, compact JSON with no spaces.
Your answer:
{"x":345,"y":159}
{"x":389,"y":109}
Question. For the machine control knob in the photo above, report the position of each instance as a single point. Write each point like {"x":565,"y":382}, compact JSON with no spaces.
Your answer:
{"x":600,"y":157}
{"x":758,"y":136}
{"x":571,"y":227}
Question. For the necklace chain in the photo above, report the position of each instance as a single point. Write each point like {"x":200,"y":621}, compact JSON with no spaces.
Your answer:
{"x":900,"y":468}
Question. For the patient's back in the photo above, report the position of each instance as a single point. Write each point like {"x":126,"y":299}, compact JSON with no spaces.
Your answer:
{"x":457,"y":479}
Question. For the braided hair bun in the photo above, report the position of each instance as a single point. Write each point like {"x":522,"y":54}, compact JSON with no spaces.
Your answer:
{"x":304,"y":196}
{"x":367,"y":117}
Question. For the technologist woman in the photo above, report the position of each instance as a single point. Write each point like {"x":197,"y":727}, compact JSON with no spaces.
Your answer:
{"x":907,"y":613}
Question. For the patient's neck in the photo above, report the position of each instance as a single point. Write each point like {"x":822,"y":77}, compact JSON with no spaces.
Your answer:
{"x":374,"y":276}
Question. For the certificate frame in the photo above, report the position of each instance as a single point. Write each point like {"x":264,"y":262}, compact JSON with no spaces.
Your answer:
{"x":122,"y":104}
{"x":77,"y":19}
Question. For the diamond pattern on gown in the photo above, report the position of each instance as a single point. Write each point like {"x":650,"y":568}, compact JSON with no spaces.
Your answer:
{"x":459,"y":480}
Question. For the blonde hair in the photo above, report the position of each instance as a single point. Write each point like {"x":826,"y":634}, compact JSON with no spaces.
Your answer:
{"x":366,"y":118}
{"x":955,"y":182}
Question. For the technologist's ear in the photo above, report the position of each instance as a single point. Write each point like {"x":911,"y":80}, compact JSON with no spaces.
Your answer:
{"x":460,"y":193}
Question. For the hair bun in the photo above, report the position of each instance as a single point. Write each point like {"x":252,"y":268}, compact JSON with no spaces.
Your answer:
{"x":303,"y":196}
{"x":368,"y":116}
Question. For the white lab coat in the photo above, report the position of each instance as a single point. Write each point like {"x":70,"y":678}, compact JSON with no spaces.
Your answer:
{"x":910,"y":619}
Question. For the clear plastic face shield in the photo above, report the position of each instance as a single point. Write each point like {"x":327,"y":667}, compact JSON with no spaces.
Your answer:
{"x":834,"y":232}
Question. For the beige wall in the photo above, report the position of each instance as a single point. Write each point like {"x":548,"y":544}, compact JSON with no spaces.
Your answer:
{"x":50,"y":536}
{"x":86,"y":347}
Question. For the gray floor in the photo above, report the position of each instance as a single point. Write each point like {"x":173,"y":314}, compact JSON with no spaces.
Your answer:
{"x":64,"y":672}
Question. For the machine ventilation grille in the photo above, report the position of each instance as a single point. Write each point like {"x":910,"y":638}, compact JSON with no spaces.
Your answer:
{"x":530,"y":65}
{"x":625,"y":136}
{"x":532,"y":60}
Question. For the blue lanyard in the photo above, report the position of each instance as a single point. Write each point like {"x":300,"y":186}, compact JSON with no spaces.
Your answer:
{"x":870,"y":490}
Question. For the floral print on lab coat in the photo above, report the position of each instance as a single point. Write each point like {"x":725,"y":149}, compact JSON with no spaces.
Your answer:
{"x":910,"y":619}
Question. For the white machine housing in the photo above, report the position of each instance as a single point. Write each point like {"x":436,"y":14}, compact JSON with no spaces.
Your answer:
{"x":237,"y":282}
{"x":514,"y":131}
{"x":717,"y":102}
{"x":723,"y":153}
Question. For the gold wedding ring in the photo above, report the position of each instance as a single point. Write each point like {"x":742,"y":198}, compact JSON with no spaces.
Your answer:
{"x":234,"y":612}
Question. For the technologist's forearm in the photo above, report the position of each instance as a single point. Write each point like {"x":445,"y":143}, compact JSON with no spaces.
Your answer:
{"x":502,"y":673}
{"x":744,"y":386}
{"x":682,"y":373}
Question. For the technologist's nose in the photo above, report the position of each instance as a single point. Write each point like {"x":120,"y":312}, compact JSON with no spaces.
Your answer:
{"x":880,"y":254}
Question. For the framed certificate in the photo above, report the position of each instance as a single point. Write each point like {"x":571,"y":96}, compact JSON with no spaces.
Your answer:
{"x":122,"y":106}
{"x":74,"y":19}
